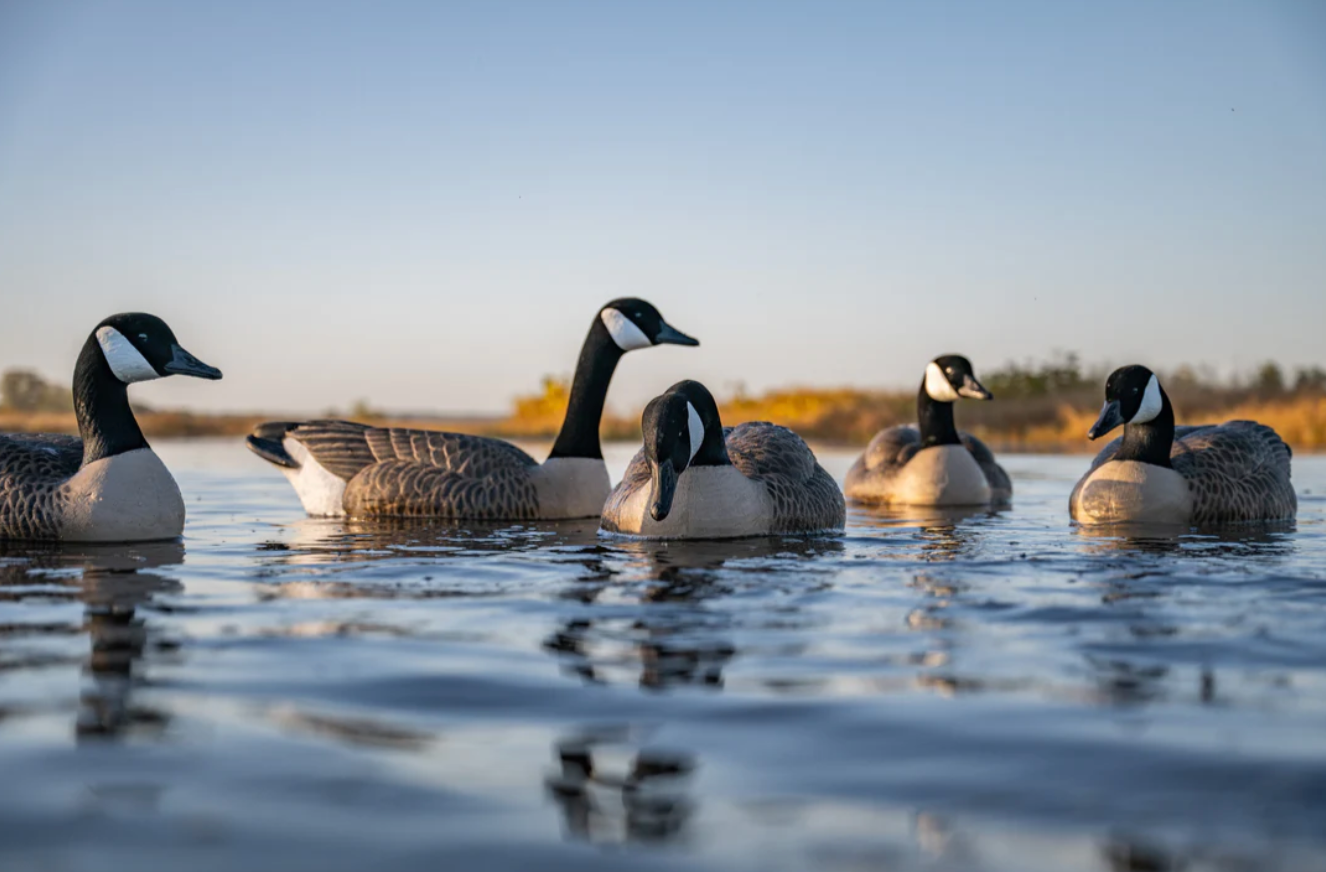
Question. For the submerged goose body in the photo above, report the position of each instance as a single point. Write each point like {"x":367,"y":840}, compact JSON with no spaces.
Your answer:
{"x":343,"y":468}
{"x":932,"y":464}
{"x":1157,"y":473}
{"x":106,"y":485}
{"x":695,"y":479}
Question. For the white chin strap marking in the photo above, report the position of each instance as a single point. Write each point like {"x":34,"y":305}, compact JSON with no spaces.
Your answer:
{"x":623,"y":331}
{"x":937,"y":385}
{"x":125,"y":361}
{"x":696,"y":428}
{"x":1151,"y":403}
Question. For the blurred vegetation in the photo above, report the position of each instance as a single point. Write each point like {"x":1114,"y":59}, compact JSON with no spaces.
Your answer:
{"x":22,"y":390}
{"x":1040,"y":406}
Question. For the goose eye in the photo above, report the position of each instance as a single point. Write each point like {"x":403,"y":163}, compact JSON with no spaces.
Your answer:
{"x":142,"y":336}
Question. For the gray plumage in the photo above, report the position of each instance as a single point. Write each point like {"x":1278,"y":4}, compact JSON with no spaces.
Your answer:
{"x":891,"y":449}
{"x":33,"y":469}
{"x":1236,"y":471}
{"x":395,"y":471}
{"x":805,"y":497}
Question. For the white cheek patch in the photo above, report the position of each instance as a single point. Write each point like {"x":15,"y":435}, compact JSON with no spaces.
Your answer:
{"x":937,"y":385}
{"x":623,"y":331}
{"x":696,"y":428}
{"x":1151,"y":403}
{"x":125,"y":361}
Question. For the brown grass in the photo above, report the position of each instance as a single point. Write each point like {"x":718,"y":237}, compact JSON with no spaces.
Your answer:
{"x":843,"y":416}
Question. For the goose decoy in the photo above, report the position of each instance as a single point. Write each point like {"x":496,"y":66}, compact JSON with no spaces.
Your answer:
{"x":1157,"y":473}
{"x":108,"y":485}
{"x":932,"y":464}
{"x":694,"y":479}
{"x":343,"y":468}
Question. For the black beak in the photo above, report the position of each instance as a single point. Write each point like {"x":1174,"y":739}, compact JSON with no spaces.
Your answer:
{"x":669,"y":335}
{"x":665,"y":488}
{"x":1110,"y":417}
{"x":973,"y":389}
{"x":183,"y":363}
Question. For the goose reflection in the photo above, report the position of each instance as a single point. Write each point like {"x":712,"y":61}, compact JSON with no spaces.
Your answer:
{"x":304,"y":562}
{"x":944,"y":533}
{"x":610,"y":791}
{"x":113,"y":586}
{"x":1263,"y":539}
{"x":657,"y":646}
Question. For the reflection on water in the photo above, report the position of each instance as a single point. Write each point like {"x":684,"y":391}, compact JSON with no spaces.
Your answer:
{"x":1261,"y":540}
{"x":610,"y":792}
{"x":954,"y":690}
{"x":113,"y":584}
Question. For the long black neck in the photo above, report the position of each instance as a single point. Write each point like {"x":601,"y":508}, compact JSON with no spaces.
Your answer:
{"x":935,"y":419}
{"x":579,"y":436}
{"x":101,"y":402}
{"x":1150,"y":442}
{"x":713,"y":450}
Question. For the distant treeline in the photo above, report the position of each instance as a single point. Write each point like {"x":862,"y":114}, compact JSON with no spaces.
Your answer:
{"x":1039,"y":406}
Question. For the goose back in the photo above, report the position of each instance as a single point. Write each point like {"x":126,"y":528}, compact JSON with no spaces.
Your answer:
{"x":804,"y":497}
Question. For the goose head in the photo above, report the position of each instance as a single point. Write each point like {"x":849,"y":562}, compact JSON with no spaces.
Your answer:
{"x":633,"y":323}
{"x":950,"y":377}
{"x":140,"y":347}
{"x":1132,"y":396}
{"x":678,"y":427}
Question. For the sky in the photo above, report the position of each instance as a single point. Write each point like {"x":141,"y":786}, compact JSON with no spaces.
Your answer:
{"x":423,"y":204}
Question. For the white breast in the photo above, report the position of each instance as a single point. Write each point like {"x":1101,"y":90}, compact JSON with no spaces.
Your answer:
{"x":1127,"y":491}
{"x":711,"y":502}
{"x":941,"y":475}
{"x":571,"y":487}
{"x":125,"y":498}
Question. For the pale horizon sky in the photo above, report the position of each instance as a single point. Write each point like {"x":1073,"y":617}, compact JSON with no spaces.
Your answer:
{"x":423,"y":204}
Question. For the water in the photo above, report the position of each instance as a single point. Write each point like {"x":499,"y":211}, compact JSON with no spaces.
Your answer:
{"x":993,"y":692}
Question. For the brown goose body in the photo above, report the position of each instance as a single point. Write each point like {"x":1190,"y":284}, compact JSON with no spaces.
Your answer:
{"x":897,"y":468}
{"x":1226,"y":473}
{"x":774,"y":486}
{"x":1161,"y":473}
{"x":360,"y":471}
{"x":344,"y":468}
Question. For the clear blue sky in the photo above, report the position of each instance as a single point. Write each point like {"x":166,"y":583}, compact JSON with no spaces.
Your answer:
{"x":423,"y":203}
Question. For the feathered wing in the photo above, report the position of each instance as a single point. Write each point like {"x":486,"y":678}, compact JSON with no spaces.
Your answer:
{"x":32,"y":469}
{"x":886,"y":454}
{"x":1001,"y":486}
{"x":435,"y":474}
{"x":637,"y":476}
{"x":805,"y":497}
{"x":1237,"y":471}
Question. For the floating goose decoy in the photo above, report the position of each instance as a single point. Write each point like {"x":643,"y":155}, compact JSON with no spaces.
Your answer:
{"x":1157,"y":473}
{"x":107,"y":486}
{"x":342,"y":468}
{"x":932,"y":464}
{"x":694,"y":479}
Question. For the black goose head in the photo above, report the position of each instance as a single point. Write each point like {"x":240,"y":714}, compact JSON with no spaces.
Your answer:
{"x":140,"y":347}
{"x":633,"y":323}
{"x":949,"y":377}
{"x":681,"y":429}
{"x":1132,"y":396}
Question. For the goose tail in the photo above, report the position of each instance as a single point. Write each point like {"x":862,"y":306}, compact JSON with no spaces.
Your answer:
{"x":267,"y":441}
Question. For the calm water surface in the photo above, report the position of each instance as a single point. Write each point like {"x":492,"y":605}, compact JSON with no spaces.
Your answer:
{"x":988,"y":691}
